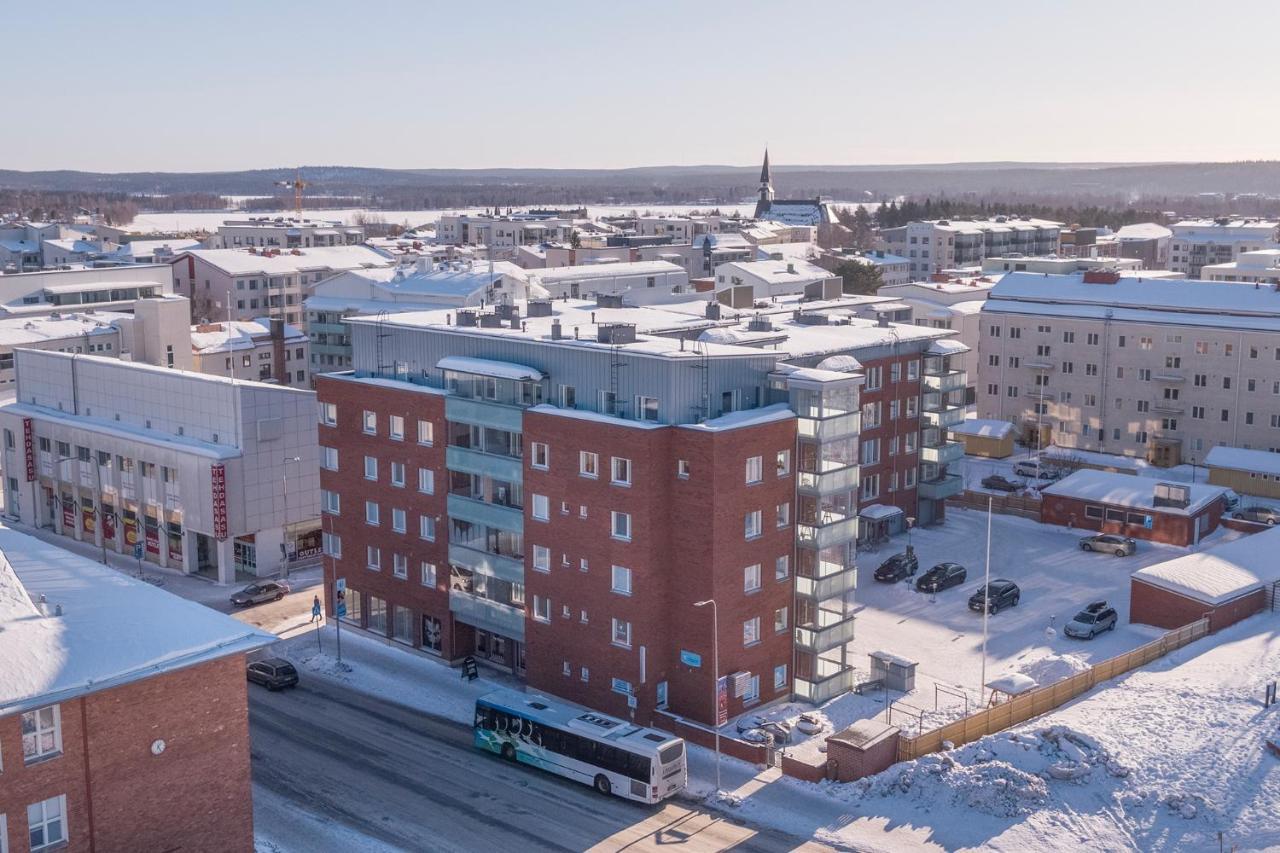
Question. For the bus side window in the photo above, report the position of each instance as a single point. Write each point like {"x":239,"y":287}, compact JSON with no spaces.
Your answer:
{"x":484,"y":718}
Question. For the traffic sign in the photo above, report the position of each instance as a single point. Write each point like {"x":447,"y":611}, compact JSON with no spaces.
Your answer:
{"x":137,"y":551}
{"x":340,"y":597}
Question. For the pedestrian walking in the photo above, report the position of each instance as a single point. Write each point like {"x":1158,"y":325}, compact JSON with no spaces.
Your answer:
{"x":315,"y":608}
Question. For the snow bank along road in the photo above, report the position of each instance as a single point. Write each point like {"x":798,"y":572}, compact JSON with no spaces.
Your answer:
{"x":334,"y":770}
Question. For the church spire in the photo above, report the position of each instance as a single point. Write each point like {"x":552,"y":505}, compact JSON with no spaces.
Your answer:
{"x":766,"y":188}
{"x":764,"y":170}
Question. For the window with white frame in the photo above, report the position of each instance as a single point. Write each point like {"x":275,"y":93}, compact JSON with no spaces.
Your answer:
{"x":647,"y":409}
{"x":780,"y":676}
{"x":541,"y":558}
{"x":584,"y":674}
{"x":751,"y":524}
{"x":780,"y":620}
{"x":682,"y":469}
{"x":751,"y":631}
{"x":329,"y":458}
{"x":370,"y":422}
{"x":373,"y":557}
{"x":427,"y":527}
{"x":782,"y":567}
{"x":539,"y":455}
{"x":426,"y":433}
{"x":397,"y":474}
{"x":396,"y":427}
{"x":621,"y":581}
{"x":752,"y":691}
{"x":751,"y":578}
{"x":871,"y":487}
{"x":589,"y":464}
{"x":331,"y":501}
{"x":542,"y":608}
{"x":371,"y":513}
{"x":428,"y":574}
{"x":782,"y":465}
{"x":332,"y":545}
{"x":41,"y":734}
{"x":755,"y":469}
{"x":784,"y":514}
{"x":398,"y":520}
{"x":371,"y":468}
{"x":47,"y":823}
{"x":620,"y":471}
{"x":621,"y":632}
{"x":328,"y":414}
{"x":426,"y":481}
{"x":400,"y":566}
{"x":541,"y":507}
{"x":620,"y":525}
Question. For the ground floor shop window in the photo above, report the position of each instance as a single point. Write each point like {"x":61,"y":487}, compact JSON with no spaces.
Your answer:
{"x":432,"y":634}
{"x":355,"y":608}
{"x":377,"y":615}
{"x":403,"y":625}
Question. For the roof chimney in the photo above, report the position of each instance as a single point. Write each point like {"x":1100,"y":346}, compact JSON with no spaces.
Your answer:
{"x":556,"y":333}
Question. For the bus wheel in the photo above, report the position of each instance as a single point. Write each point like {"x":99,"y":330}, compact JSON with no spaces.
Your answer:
{"x":602,"y":784}
{"x":508,"y":752}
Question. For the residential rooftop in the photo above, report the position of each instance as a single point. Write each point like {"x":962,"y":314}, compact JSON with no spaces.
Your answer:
{"x":269,"y":261}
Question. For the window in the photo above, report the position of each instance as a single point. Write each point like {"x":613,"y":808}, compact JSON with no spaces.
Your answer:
{"x":371,"y":468}
{"x":780,"y":620}
{"x":541,"y":508}
{"x":402,"y":625}
{"x":871,"y":487}
{"x":426,"y":432}
{"x":428,"y":574}
{"x":647,"y":409}
{"x":751,"y":631}
{"x":621,"y":525}
{"x":751,"y":578}
{"x":426,"y":481}
{"x":584,"y":674}
{"x":397,"y":474}
{"x":378,"y":615}
{"x":373,"y":557}
{"x":328,"y":414}
{"x":331,"y":501}
{"x":371,"y":512}
{"x":370,"y":422}
{"x":41,"y":734}
{"x":331,"y":544}
{"x":621,"y":582}
{"x":540,"y":457}
{"x":620,"y":471}
{"x":784,"y":514}
{"x":1068,"y":337}
{"x":400,"y":566}
{"x":751,"y":525}
{"x":329,"y":458}
{"x":755,"y":469}
{"x":427,"y":528}
{"x":870,"y":451}
{"x":542,"y":558}
{"x":541,"y":608}
{"x":782,"y":465}
{"x":355,"y":607}
{"x":397,"y":520}
{"x":589,"y":464}
{"x":47,"y":823}
{"x":682,"y":469}
{"x":621,"y":633}
{"x":782,"y":567}
{"x":780,"y":677}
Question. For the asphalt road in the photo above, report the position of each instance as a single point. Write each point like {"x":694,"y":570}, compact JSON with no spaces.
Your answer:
{"x":333,"y":770}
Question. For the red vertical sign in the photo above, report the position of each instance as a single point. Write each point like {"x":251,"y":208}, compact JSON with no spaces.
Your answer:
{"x":218,"y":478}
{"x":68,"y":517}
{"x":109,"y":526}
{"x":28,"y":447}
{"x":722,"y":700}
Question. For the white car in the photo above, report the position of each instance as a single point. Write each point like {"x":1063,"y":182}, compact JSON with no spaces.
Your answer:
{"x":1036,"y":470}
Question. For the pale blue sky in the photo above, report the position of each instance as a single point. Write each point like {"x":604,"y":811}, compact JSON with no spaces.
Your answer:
{"x":233,"y":85}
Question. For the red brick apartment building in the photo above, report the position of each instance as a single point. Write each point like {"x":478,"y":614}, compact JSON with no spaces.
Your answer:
{"x":123,"y":711}
{"x":554,"y":493}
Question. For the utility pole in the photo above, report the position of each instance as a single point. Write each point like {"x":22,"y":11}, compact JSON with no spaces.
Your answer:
{"x":284,"y":545}
{"x":715,"y":666}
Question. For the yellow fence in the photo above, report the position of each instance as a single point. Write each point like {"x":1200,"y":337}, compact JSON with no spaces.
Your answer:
{"x":1043,"y":699}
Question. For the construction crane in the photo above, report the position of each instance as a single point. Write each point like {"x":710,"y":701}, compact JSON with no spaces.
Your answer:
{"x":298,"y":186}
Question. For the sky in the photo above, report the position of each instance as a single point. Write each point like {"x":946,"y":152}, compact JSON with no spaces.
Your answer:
{"x":149,"y":86}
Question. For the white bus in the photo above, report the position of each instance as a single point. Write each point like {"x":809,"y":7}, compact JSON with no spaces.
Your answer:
{"x":614,"y":756}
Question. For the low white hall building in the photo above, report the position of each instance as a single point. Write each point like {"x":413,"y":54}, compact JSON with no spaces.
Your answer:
{"x":207,"y":474}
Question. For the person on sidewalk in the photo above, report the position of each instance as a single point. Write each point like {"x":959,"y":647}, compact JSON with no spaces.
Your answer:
{"x":315,"y":608}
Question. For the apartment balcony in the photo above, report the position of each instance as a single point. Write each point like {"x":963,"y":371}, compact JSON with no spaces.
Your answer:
{"x":488,"y":514}
{"x":824,"y":535}
{"x":482,"y":562}
{"x":941,"y":454}
{"x":1170,"y":376}
{"x":944,"y":415}
{"x":329,"y":328}
{"x":833,"y":629}
{"x":946,"y":381}
{"x":487,"y":615}
{"x":1170,"y":407}
{"x":828,"y":482}
{"x":830,"y":680}
{"x":469,"y":461}
{"x":484,"y":413}
{"x":1038,"y":363}
{"x":825,"y":429}
{"x":940,"y":488}
{"x":835,"y":580}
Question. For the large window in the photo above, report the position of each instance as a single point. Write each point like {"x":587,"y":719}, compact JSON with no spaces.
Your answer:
{"x":378,"y":614}
{"x":621,"y":525}
{"x":426,"y":432}
{"x":371,"y":468}
{"x":371,"y":513}
{"x":373,"y":557}
{"x":41,"y":734}
{"x":751,"y":578}
{"x":398,"y":520}
{"x":397,"y":427}
{"x":397,"y":474}
{"x":751,"y":525}
{"x":541,"y":456}
{"x":589,"y":464}
{"x":400,"y":566}
{"x":541,"y":508}
{"x":329,"y":458}
{"x":541,"y":558}
{"x":621,"y":582}
{"x":427,"y":528}
{"x":402,"y":627}
{"x":47,"y":823}
{"x":370,"y":422}
{"x":426,"y":481}
{"x":751,"y":631}
{"x":331,"y":501}
{"x":429,"y":575}
{"x":328,"y":414}
{"x":355,"y":607}
{"x":755,"y":469}
{"x":621,"y":471}
{"x":621,"y":633}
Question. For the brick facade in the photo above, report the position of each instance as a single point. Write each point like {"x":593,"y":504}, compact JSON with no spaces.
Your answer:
{"x":194,"y":796}
{"x":1153,"y":605}
{"x":1168,"y":528}
{"x":901,"y":462}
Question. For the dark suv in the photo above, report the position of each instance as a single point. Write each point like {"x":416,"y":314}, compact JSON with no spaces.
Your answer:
{"x":273,"y":673}
{"x":996,"y":595}
{"x":897,"y":567}
{"x":940,"y":577}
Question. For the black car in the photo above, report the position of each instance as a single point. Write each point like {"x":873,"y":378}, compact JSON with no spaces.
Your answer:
{"x":1001,"y":484}
{"x":940,"y":577}
{"x":897,"y":567}
{"x":997,"y":594}
{"x":1093,"y":620}
{"x":273,"y":673}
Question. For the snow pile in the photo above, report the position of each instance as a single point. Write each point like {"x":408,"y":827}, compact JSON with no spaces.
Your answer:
{"x":1055,"y":667}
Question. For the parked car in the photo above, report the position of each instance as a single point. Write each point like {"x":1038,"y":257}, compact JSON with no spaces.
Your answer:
{"x":1260,"y":514}
{"x":1036,"y":469}
{"x":273,"y":673}
{"x":1109,"y":543}
{"x":897,"y":567}
{"x":1230,"y":500}
{"x":1002,"y":484}
{"x":256,"y":593}
{"x":940,"y":577}
{"x":1091,"y":621}
{"x":995,"y":595}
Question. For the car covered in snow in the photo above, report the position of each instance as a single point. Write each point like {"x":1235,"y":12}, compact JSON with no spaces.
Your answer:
{"x":1093,"y":620}
{"x":998,"y":594}
{"x":1001,"y":483}
{"x":942,"y":576}
{"x":897,"y":567}
{"x":1037,"y":469}
{"x":1109,"y":543}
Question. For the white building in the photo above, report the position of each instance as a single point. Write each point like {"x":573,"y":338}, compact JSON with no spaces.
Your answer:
{"x":150,"y":251}
{"x":894,"y":269}
{"x":1197,"y":243}
{"x":641,"y":281}
{"x":106,"y":289}
{"x":1262,"y":265}
{"x":207,"y":474}
{"x":1148,"y":242}
{"x":939,"y":244}
{"x":1056,"y":265}
{"x":21,"y":242}
{"x":502,"y":233}
{"x":284,"y":232}
{"x":262,"y":350}
{"x":740,"y":285}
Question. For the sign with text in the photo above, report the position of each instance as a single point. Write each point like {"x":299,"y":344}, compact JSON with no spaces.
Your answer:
{"x":153,"y":540}
{"x":218,"y":479}
{"x":68,"y":517}
{"x":28,"y":448}
{"x":689,"y":658}
{"x":722,"y":700}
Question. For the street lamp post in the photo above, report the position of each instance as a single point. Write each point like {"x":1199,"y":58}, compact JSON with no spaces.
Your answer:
{"x":284,"y":545}
{"x":97,"y":501}
{"x":715,"y":684}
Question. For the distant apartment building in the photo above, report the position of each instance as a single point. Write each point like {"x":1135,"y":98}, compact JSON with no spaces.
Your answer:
{"x":284,"y":232}
{"x":263,"y":350}
{"x":935,"y":245}
{"x":1148,"y":242}
{"x":106,"y":289}
{"x":21,"y":244}
{"x":894,"y":269}
{"x":1262,"y":266}
{"x":551,"y":490}
{"x":1155,"y":368}
{"x":1197,"y":243}
{"x":642,"y":281}
{"x":740,"y":285}
{"x":124,"y":719}
{"x":213,"y":476}
{"x":244,"y":284}
{"x":502,"y":233}
{"x":1057,"y":265}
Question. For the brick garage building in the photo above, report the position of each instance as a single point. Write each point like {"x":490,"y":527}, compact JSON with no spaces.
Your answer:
{"x":1226,"y":583}
{"x":1138,"y":507}
{"x":123,"y":711}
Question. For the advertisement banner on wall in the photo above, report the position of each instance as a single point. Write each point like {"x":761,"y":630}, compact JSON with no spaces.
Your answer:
{"x":153,"y":540}
{"x":68,"y":517}
{"x":109,"y":525}
{"x":28,"y":448}
{"x":87,"y":519}
{"x":131,"y":532}
{"x":722,"y":700}
{"x":218,"y":480}
{"x":309,"y":544}
{"x":175,"y":548}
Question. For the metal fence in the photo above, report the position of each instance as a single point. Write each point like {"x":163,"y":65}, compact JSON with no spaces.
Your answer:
{"x":1021,"y":708}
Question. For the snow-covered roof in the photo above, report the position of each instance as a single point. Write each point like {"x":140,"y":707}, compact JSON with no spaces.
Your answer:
{"x":229,"y":336}
{"x":983,"y":427}
{"x":16,"y":331}
{"x":245,"y":262}
{"x":1143,"y":231}
{"x":947,"y":346}
{"x":1222,"y":573}
{"x":1014,"y":684}
{"x":595,"y":417}
{"x":745,"y":418}
{"x":815,"y":374}
{"x":1239,"y":459}
{"x":114,"y":629}
{"x":875,"y":512}
{"x":555,"y":275}
{"x":777,"y":272}
{"x":840,"y":363}
{"x":1126,"y":490}
{"x":487,"y":367}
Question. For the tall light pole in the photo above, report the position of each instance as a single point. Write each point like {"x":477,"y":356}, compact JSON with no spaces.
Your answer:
{"x":715,"y":685}
{"x":284,"y":545}
{"x":986,"y":601}
{"x":98,"y":514}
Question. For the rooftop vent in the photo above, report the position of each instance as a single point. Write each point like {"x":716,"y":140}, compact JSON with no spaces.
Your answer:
{"x":539,"y":308}
{"x":616,"y":333}
{"x":608,"y":300}
{"x":812,"y":319}
{"x":759,"y":324}
{"x":490,"y":321}
{"x":1101,"y":277}
{"x":713,"y":310}
{"x":466,"y":318}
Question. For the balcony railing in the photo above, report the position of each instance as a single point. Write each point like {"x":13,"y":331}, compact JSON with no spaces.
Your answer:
{"x":824,"y":429}
{"x":482,"y":512}
{"x":940,"y":488}
{"x":484,"y":413}
{"x":820,"y":688}
{"x":495,"y":565}
{"x":828,"y":482}
{"x":941,"y":454}
{"x":833,"y":629}
{"x":831,"y":586}
{"x":487,"y":615}
{"x":826,"y":535}
{"x":944,"y":416}
{"x":1168,"y":406}
{"x":1170,"y":377}
{"x":951,"y":380}
{"x":471,"y":461}
{"x":1038,"y":363}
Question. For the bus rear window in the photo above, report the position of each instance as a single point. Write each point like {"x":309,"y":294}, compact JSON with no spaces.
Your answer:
{"x":671,"y":753}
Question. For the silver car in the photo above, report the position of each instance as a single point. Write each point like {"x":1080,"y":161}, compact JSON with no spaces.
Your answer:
{"x":1091,"y":621}
{"x":1109,"y":543}
{"x":1040,"y":470}
{"x":1258,"y":514}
